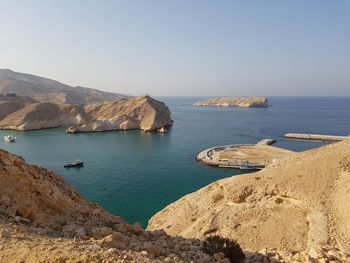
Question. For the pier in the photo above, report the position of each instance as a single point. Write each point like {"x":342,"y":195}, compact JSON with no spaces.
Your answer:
{"x":243,"y":156}
{"x":314,"y":137}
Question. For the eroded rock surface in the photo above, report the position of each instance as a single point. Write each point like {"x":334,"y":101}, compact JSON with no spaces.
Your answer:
{"x":144,"y":113}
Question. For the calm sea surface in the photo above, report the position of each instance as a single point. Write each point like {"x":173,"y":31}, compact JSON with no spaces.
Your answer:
{"x":135,"y":174}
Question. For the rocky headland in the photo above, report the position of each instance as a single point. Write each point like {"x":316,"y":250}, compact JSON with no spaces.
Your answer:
{"x":298,"y":208}
{"x":246,"y":102}
{"x":144,"y":113}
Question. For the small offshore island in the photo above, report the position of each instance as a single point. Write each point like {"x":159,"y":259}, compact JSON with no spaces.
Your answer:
{"x":246,"y":102}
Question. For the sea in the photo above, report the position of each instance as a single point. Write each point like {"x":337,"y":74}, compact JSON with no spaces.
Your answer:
{"x":134,"y":174}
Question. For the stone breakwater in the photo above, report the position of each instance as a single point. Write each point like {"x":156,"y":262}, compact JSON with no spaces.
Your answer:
{"x":315,"y":137}
{"x":246,"y":102}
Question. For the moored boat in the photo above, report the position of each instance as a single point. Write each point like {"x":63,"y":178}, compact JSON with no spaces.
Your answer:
{"x":76,"y":163}
{"x":10,"y":138}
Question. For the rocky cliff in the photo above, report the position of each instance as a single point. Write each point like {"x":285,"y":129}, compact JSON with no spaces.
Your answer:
{"x":299,"y":204}
{"x":47,"y":90}
{"x":144,"y":113}
{"x":246,"y":102}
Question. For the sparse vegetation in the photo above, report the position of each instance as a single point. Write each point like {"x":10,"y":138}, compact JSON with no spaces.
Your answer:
{"x":278,"y":200}
{"x":217,"y":197}
{"x":230,"y":248}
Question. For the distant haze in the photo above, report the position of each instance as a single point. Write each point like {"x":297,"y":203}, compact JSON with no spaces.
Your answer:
{"x":184,"y":47}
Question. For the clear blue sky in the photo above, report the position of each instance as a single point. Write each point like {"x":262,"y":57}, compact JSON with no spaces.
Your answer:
{"x":182,"y":47}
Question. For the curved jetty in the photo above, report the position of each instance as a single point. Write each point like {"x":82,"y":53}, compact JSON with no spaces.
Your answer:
{"x":245,"y":102}
{"x":243,"y":156}
{"x":314,"y":137}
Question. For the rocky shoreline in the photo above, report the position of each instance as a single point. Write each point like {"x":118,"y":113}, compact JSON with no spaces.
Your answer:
{"x":142,"y":113}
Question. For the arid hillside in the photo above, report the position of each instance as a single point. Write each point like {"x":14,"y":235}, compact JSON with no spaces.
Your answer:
{"x":299,"y":203}
{"x":47,"y":90}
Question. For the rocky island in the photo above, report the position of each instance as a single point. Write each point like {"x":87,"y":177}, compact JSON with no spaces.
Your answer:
{"x":144,"y":113}
{"x":246,"y":102}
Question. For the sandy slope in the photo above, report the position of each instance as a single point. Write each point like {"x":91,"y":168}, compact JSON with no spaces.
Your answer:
{"x":298,"y":203}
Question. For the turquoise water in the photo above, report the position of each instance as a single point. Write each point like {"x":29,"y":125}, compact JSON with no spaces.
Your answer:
{"x":135,"y":174}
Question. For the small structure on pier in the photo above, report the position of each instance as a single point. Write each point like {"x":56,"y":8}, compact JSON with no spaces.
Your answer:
{"x":243,"y":156}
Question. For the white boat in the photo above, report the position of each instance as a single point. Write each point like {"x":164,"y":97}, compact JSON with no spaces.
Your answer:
{"x":10,"y":138}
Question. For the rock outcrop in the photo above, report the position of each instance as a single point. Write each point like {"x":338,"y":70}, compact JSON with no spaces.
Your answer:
{"x":299,"y":204}
{"x":246,"y":102}
{"x":42,"y":219}
{"x":47,"y":90}
{"x":144,"y":113}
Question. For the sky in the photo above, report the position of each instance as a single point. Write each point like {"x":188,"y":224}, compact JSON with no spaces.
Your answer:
{"x":182,"y":47}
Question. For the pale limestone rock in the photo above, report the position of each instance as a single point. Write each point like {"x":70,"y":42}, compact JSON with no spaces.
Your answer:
{"x":144,"y":113}
{"x":245,"y":102}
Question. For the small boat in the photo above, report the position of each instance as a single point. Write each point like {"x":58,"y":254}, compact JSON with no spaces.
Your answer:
{"x":10,"y":138}
{"x":76,"y":163}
